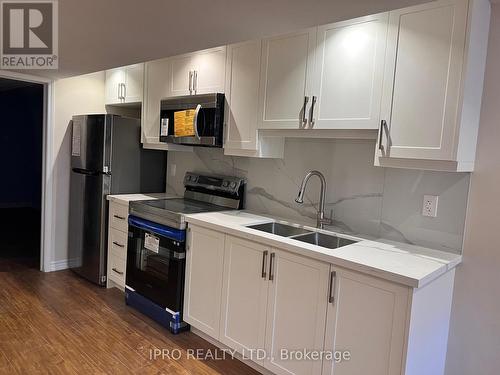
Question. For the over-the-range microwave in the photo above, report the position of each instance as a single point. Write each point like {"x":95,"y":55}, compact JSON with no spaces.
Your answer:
{"x":208,"y":111}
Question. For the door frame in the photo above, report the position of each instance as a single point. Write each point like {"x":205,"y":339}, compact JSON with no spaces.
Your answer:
{"x":46,"y":238}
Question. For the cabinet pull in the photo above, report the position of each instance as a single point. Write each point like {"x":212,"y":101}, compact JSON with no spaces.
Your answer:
{"x":331,"y":292}
{"x":195,"y":81}
{"x":304,"y":117}
{"x":119,"y":91}
{"x":264,"y":264}
{"x":119,"y":217}
{"x":124,"y":91}
{"x":383,"y":124}
{"x":118,"y":244}
{"x":190,"y":82}
{"x":118,"y":272}
{"x":311,"y":112}
{"x":271,"y":263}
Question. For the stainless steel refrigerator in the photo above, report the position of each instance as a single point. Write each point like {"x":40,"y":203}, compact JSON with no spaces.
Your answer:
{"x":106,"y":158}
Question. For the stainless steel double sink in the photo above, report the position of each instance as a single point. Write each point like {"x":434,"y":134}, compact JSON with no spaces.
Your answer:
{"x":329,"y":241}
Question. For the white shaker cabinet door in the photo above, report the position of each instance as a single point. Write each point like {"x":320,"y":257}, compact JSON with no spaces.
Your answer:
{"x":181,"y":75}
{"x":242,"y":93}
{"x":134,"y":78}
{"x":286,"y":80}
{"x":209,"y":71}
{"x":296,"y":312}
{"x":244,"y":295}
{"x":115,"y":79}
{"x":156,"y":88}
{"x":349,"y":73}
{"x":203,"y":284}
{"x":367,"y":319}
{"x":421,"y":93}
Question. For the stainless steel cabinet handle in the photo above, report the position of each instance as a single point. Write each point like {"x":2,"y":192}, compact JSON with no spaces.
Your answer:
{"x":271,"y":263}
{"x":331,"y":292}
{"x":304,"y":117}
{"x":190,"y":82}
{"x":311,"y":112}
{"x":118,"y":244}
{"x":383,"y":124}
{"x":118,"y":272}
{"x":264,"y":264}
{"x":119,"y":91}
{"x":119,"y":217}
{"x":195,"y":81}
{"x":124,"y":91}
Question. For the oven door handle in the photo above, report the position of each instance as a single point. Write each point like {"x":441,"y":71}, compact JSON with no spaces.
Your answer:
{"x":161,"y":230}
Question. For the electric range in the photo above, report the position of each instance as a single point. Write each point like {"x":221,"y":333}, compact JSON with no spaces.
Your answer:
{"x":156,"y":253}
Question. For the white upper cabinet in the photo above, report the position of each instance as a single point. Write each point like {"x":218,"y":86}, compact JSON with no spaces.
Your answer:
{"x":349,"y":73}
{"x":156,"y":87}
{"x":134,"y":79}
{"x":242,"y":98}
{"x":433,"y":85}
{"x":366,"y":316}
{"x":286,"y":79}
{"x":124,"y":85}
{"x":209,"y":70}
{"x":114,"y":85}
{"x":200,"y":72}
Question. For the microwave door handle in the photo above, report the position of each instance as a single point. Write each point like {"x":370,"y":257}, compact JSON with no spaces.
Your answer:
{"x":195,"y":120}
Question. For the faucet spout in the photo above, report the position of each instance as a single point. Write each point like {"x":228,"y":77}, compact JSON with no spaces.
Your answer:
{"x":321,"y":220}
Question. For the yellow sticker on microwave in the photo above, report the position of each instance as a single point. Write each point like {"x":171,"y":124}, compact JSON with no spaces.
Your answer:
{"x":184,"y":123}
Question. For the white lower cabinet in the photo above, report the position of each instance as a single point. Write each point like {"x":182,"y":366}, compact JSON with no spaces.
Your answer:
{"x":296,"y":312}
{"x":244,"y":296}
{"x":203,"y":285}
{"x":367,"y":319}
{"x":310,"y":317}
{"x":117,"y":245}
{"x":273,"y":300}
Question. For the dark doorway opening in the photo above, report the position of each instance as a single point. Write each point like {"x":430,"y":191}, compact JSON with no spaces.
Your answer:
{"x":21,"y":155}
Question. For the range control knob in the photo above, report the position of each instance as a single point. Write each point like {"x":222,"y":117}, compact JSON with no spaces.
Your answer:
{"x":225,"y":184}
{"x":233,"y":185}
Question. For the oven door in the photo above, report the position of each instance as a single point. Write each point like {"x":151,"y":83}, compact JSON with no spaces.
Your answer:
{"x":156,"y":261}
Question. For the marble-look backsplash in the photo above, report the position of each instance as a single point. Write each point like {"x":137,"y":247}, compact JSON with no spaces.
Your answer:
{"x":367,"y":200}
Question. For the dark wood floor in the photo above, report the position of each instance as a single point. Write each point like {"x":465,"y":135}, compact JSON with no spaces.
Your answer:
{"x":57,"y":323}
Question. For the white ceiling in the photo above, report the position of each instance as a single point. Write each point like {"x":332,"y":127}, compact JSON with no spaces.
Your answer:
{"x":100,"y":34}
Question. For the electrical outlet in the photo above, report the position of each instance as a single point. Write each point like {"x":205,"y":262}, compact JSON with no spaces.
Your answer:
{"x":173,"y":170}
{"x":430,"y":205}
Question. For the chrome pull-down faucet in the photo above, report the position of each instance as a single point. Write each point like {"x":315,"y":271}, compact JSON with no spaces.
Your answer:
{"x":321,"y":220}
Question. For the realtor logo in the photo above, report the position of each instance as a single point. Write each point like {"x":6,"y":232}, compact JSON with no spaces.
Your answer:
{"x":28,"y":35}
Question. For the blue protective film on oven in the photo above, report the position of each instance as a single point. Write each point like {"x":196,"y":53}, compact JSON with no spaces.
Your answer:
{"x":162,"y":230}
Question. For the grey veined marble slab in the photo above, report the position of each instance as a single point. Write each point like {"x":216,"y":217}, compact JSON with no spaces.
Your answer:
{"x":367,"y":200}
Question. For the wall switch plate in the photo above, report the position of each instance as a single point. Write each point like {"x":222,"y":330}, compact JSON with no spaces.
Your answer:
{"x":430,"y":205}
{"x":173,"y":170}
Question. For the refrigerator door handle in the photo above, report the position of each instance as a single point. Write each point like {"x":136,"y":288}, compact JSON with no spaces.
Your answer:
{"x":86,"y":172}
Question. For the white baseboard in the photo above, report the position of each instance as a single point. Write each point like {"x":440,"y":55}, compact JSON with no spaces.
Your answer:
{"x":59,"y":265}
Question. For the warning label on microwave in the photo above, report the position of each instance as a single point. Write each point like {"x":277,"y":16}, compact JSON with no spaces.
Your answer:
{"x":151,"y":243}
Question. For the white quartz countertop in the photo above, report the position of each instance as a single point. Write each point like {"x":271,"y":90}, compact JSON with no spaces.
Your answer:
{"x":126,"y":198}
{"x":410,"y":265}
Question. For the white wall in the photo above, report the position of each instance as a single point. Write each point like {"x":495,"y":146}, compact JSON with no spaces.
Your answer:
{"x":77,"y":95}
{"x":474,"y":344}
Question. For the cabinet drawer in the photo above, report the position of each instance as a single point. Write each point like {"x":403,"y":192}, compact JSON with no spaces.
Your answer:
{"x":118,"y":216}
{"x":118,"y":243}
{"x":117,"y":268}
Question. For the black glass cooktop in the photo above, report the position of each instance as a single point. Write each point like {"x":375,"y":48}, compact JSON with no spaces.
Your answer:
{"x":183,"y":206}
